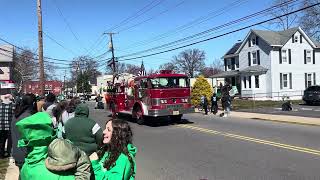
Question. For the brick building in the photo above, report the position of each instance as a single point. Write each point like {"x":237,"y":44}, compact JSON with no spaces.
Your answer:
{"x":54,"y":87}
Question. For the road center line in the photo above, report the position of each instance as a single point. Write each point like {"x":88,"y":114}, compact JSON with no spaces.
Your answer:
{"x":250,"y":139}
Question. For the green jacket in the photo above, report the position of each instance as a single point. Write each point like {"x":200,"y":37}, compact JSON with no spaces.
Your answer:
{"x":121,"y":169}
{"x":49,"y":158}
{"x":82,"y":131}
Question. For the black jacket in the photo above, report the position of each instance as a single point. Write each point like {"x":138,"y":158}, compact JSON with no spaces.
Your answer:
{"x":18,"y":154}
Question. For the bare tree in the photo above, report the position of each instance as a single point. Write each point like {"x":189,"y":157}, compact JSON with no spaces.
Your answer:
{"x":168,"y":66}
{"x":310,"y":19}
{"x":85,"y":65}
{"x":132,"y":69}
{"x":152,"y":71}
{"x":190,"y":61}
{"x":214,"y":68}
{"x":49,"y":71}
{"x":25,"y":67}
{"x":284,"y":22}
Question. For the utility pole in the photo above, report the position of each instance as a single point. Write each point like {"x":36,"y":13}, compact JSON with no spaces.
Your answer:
{"x":112,"y":58}
{"x":40,"y":48}
{"x":64,"y":82}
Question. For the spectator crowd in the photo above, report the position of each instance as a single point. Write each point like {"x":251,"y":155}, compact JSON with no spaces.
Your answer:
{"x":50,"y":140}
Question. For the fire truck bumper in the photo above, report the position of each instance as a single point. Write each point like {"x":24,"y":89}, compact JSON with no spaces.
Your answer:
{"x":168,"y":112}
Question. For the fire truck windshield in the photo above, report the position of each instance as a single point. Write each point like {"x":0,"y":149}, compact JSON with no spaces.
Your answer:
{"x":169,"y":82}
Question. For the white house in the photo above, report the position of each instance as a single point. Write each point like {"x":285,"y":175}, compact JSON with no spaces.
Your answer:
{"x":273,"y":64}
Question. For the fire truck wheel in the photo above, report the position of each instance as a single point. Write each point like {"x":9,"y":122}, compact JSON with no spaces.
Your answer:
{"x":176,"y":118}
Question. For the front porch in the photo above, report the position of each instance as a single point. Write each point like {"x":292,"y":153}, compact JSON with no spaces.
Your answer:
{"x":248,"y":82}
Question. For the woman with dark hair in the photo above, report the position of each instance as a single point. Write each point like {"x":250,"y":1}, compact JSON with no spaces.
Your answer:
{"x":70,"y":110}
{"x":25,"y":108}
{"x":116,"y":158}
{"x":57,"y":113}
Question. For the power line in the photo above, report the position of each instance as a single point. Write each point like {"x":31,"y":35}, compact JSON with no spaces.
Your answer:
{"x":30,"y":57}
{"x":62,"y":60}
{"x":189,"y":25}
{"x":209,"y":30}
{"x":68,"y":24}
{"x":222,"y":29}
{"x":146,"y":20}
{"x":142,"y":11}
{"x":55,"y":41}
{"x":240,"y":29}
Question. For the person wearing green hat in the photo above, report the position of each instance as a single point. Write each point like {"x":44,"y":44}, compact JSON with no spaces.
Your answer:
{"x":48,"y":157}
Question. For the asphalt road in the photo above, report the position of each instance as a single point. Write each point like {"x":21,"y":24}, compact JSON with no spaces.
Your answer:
{"x":210,"y":147}
{"x":298,"y":110}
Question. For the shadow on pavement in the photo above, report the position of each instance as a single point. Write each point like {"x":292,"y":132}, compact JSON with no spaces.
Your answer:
{"x":154,"y":122}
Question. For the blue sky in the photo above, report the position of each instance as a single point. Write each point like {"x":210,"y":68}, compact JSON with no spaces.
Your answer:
{"x":89,"y":19}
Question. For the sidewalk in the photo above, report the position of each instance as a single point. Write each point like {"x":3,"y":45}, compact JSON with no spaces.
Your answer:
{"x":278,"y":118}
{"x":12,"y":172}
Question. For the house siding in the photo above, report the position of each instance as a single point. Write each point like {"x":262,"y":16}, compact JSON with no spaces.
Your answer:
{"x":297,"y":67}
{"x":265,"y":61}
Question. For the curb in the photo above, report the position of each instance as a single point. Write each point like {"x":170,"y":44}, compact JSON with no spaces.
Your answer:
{"x":279,"y":118}
{"x":275,"y":118}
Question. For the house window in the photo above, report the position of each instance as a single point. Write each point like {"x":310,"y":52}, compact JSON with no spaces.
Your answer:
{"x":253,"y":41}
{"x":284,"y":56}
{"x":237,"y":63}
{"x":249,"y":80}
{"x":308,"y":56}
{"x":296,"y":38}
{"x":256,"y":78}
{"x":309,"y":80}
{"x":46,"y":85}
{"x":285,"y":80}
{"x":254,"y":57}
{"x":245,"y":82}
{"x":229,"y":63}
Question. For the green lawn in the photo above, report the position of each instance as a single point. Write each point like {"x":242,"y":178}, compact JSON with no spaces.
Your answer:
{"x":4,"y":163}
{"x":250,"y":104}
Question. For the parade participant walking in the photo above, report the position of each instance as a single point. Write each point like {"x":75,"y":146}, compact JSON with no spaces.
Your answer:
{"x":84,"y":132}
{"x":25,"y":108}
{"x":48,"y":157}
{"x":205,"y":105}
{"x":116,"y":159}
{"x":6,"y":116}
{"x":214,"y":103}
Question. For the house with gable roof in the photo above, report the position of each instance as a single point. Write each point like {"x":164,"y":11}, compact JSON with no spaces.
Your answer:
{"x":273,"y":64}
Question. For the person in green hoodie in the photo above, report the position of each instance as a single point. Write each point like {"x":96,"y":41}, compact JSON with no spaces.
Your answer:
{"x":82,"y":131}
{"x":48,"y":157}
{"x":116,"y":158}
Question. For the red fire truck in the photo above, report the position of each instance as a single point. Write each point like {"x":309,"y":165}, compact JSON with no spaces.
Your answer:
{"x":157,"y":95}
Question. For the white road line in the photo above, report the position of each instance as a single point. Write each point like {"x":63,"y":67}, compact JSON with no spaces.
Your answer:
{"x":306,"y":109}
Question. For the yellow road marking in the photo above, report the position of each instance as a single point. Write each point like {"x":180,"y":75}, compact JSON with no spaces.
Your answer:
{"x":260,"y":141}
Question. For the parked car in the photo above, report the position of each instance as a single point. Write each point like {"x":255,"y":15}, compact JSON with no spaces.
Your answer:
{"x":312,"y":95}
{"x":93,"y":97}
